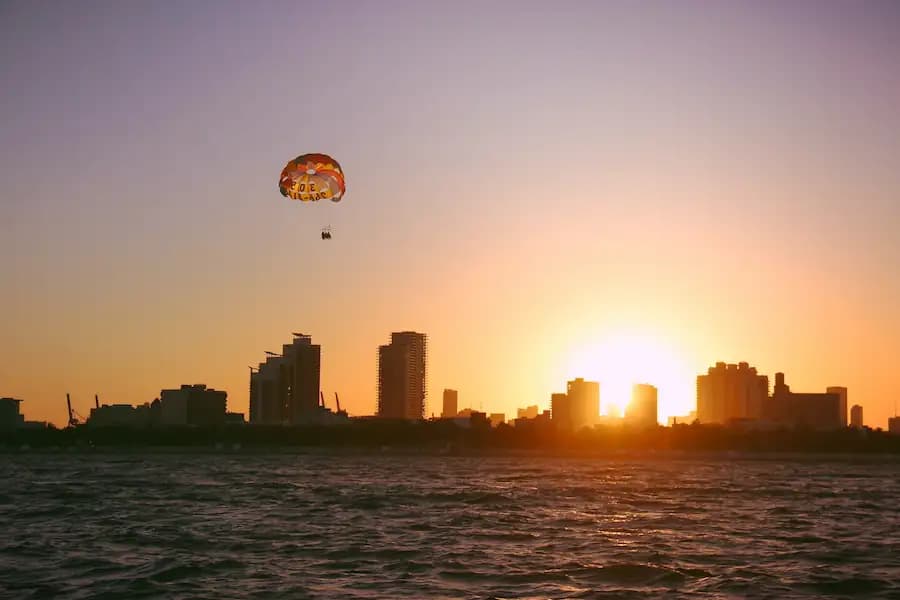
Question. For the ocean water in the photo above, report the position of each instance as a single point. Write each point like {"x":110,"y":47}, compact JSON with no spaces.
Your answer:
{"x":290,"y":525}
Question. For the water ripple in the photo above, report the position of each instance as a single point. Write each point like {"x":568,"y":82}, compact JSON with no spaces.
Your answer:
{"x":317,"y":526}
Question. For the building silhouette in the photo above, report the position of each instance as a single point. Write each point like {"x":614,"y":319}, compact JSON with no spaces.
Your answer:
{"x":193,"y":405}
{"x":809,"y":410}
{"x":450,"y":407}
{"x":10,"y":417}
{"x":529,"y":412}
{"x":643,"y":410}
{"x":560,"y":412}
{"x":497,"y":419}
{"x":401,"y":376}
{"x":302,"y":360}
{"x":269,"y":390}
{"x":894,"y":425}
{"x":234,"y":418}
{"x":126,"y":415}
{"x":856,"y":417}
{"x":683,"y":419}
{"x":578,"y":407}
{"x":842,"y":392}
{"x":541,"y":421}
{"x":284,"y":390}
{"x":731,"y":392}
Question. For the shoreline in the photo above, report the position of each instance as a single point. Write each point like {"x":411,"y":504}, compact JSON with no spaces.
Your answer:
{"x":442,"y":439}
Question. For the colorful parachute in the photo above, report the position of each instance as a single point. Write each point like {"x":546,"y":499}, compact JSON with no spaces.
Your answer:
{"x":312,"y":177}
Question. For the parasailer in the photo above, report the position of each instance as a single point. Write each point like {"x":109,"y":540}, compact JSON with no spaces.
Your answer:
{"x":313,"y":177}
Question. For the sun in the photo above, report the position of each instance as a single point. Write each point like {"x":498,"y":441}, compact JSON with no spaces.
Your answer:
{"x":620,"y":359}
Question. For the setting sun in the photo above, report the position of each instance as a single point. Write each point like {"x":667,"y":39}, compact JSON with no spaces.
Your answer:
{"x":619,"y":359}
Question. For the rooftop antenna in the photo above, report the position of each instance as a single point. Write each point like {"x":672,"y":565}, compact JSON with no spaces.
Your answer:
{"x":321,"y":399}
{"x":337,"y":401}
{"x":96,"y":400}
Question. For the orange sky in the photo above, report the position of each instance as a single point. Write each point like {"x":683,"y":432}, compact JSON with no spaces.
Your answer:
{"x":531,"y":188}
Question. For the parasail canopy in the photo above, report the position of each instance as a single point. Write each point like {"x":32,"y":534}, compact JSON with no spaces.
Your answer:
{"x":312,"y":177}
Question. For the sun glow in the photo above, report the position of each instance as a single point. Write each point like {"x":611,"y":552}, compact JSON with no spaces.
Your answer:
{"x":620,"y":359}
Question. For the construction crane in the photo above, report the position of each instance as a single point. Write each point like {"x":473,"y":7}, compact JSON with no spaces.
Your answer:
{"x":272,"y":353}
{"x":74,"y":418}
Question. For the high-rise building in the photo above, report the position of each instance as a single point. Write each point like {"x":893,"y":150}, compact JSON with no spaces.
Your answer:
{"x":856,"y":417}
{"x":285,"y":388}
{"x":842,"y":393}
{"x":402,"y":376}
{"x":450,"y":407}
{"x":302,"y":362}
{"x":270,"y":386}
{"x":894,"y":425}
{"x":497,"y":419}
{"x":729,"y":392}
{"x":584,"y":402}
{"x":643,"y":408}
{"x":560,"y":411}
{"x":809,"y":410}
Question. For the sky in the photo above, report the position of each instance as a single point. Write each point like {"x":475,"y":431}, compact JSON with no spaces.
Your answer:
{"x":624,"y":191}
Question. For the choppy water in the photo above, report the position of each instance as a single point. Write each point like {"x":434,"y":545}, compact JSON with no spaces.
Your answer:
{"x":319,"y":526}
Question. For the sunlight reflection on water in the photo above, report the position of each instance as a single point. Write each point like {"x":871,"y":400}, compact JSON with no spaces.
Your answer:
{"x":232,"y":525}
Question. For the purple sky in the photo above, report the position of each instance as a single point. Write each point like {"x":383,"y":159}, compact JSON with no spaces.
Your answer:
{"x":505,"y":161}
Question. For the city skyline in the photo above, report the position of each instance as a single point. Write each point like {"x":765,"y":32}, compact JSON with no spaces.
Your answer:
{"x":610,"y":191}
{"x":285,"y":389}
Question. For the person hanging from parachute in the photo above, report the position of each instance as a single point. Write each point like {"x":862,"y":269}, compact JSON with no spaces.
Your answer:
{"x":313,"y":177}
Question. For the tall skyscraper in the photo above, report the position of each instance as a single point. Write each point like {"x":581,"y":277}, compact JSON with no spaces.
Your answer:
{"x":285,"y":388}
{"x":643,"y":408}
{"x":578,"y":407}
{"x":856,"y":416}
{"x":560,"y":411}
{"x":842,"y":393}
{"x":401,"y":376}
{"x":269,"y":387}
{"x":303,"y":360}
{"x":730,"y":392}
{"x":450,"y":407}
